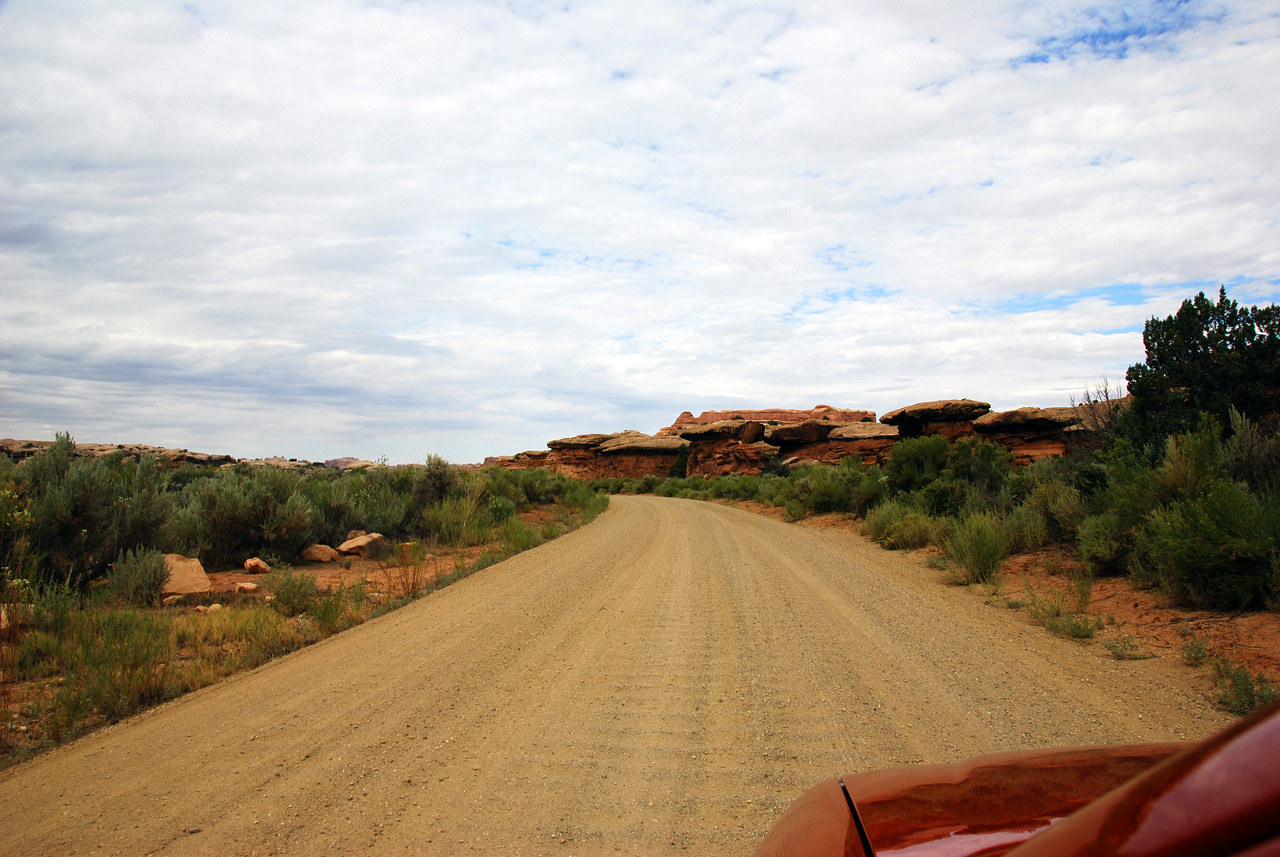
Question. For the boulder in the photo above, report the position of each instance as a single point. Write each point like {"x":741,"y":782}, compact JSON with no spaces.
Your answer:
{"x":186,"y":575}
{"x":634,"y":441}
{"x":941,"y":411}
{"x":248,"y":588}
{"x":361,"y":545}
{"x":863,"y":431}
{"x":1032,"y":419}
{"x":319,"y":553}
{"x":1030,"y":433}
{"x":253,"y":565}
{"x":581,"y":441}
{"x":950,"y":418}
{"x":353,"y":534}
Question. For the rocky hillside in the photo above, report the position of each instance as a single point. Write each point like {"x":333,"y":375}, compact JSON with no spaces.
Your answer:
{"x":722,"y":442}
{"x":22,"y":449}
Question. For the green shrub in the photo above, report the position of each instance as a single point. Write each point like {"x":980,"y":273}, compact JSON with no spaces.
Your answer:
{"x":327,"y":610}
{"x":294,"y":593}
{"x":985,"y":466}
{"x":1050,"y":609}
{"x":138,"y":577}
{"x":1239,"y":692}
{"x":1195,"y":651}
{"x":499,"y":509}
{"x":1104,"y":550}
{"x":1061,"y":505}
{"x":913,"y":530}
{"x":916,"y":461}
{"x":950,"y":497}
{"x":1026,"y":529}
{"x":977,"y":544}
{"x":1125,"y":648}
{"x":883,"y":516}
{"x":1213,"y":551}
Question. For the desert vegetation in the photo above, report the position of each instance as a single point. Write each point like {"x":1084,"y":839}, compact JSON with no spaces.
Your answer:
{"x":1182,"y":494}
{"x":85,"y":639}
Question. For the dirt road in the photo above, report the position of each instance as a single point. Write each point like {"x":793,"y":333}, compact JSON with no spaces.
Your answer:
{"x":665,"y":679}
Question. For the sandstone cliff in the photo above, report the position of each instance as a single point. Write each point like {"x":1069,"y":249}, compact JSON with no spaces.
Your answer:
{"x":723,"y":442}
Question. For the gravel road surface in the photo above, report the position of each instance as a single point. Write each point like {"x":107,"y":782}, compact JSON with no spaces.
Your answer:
{"x":664,"y":680}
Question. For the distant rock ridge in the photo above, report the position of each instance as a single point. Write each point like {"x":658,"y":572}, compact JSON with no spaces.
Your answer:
{"x":745,"y":441}
{"x":19,"y":450}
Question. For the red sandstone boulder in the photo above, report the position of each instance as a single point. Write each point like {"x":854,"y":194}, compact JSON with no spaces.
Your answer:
{"x":581,"y":441}
{"x":950,"y":418}
{"x":186,"y":575}
{"x":1029,"y":433}
{"x":254,"y":565}
{"x":319,"y":553}
{"x":361,"y":545}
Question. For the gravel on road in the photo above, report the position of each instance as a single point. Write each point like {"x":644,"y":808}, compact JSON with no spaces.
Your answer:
{"x":666,"y":679}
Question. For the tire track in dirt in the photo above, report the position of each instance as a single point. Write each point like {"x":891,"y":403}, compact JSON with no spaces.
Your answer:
{"x":665,"y":680}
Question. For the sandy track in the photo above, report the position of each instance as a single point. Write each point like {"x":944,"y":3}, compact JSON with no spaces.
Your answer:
{"x":666,"y":679}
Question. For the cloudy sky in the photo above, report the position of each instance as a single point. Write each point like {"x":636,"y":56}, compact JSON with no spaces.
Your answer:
{"x":397,"y":228}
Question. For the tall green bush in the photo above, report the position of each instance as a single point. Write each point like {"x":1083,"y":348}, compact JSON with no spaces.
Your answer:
{"x":138,"y":577}
{"x":916,"y":461}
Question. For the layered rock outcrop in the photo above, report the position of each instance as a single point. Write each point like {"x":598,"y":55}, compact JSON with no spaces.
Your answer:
{"x":723,"y":442}
{"x":769,"y":416}
{"x":1031,"y":433}
{"x":23,"y":449}
{"x":627,"y":454}
{"x":950,"y":418}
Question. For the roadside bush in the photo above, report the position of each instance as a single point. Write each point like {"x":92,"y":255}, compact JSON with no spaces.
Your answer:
{"x":1060,"y":505}
{"x":499,"y":509}
{"x":986,"y":466}
{"x":950,"y":497}
{"x":295,"y":593}
{"x":138,"y":577}
{"x":912,"y":530}
{"x":1239,"y":692}
{"x":1212,"y":551}
{"x":977,"y":543}
{"x":880,"y":518}
{"x":74,"y":513}
{"x":1025,"y":529}
{"x":1104,"y":550}
{"x":915,"y":462}
{"x":1252,"y":456}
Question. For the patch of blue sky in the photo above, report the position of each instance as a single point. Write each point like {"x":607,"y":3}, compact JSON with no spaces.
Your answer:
{"x":827,"y":300}
{"x":1114,"y":32}
{"x":1119,"y":294}
{"x":841,"y":258}
{"x":616,"y":263}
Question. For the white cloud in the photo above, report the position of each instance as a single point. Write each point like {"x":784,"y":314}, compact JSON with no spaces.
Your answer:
{"x":466,"y":228}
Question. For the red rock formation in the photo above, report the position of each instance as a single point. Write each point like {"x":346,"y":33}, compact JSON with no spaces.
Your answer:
{"x":871,"y":442}
{"x":950,"y":418}
{"x":777,"y":415}
{"x":626,"y":455}
{"x":1029,"y":433}
{"x":723,"y":456}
